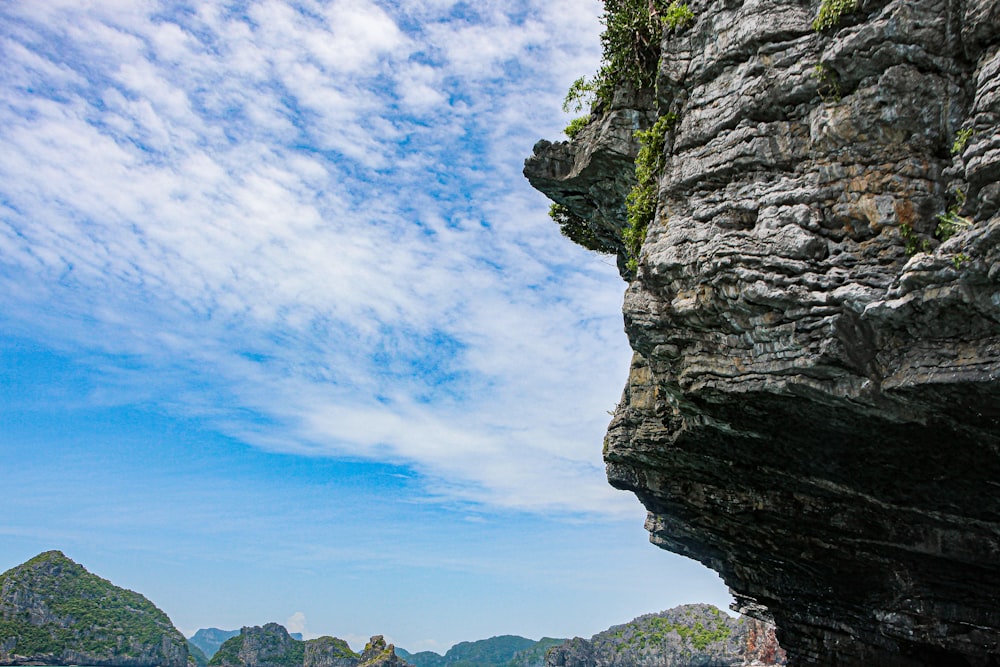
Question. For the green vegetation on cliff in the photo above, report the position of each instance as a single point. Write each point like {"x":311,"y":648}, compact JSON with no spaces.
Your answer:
{"x":633,"y":30}
{"x":689,"y":634}
{"x":53,"y":609}
{"x":640,"y":204}
{"x":228,"y":653}
{"x":269,"y":646}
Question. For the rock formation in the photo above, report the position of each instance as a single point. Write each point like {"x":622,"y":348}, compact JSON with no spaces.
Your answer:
{"x":813,"y":408}
{"x":379,"y":654}
{"x":270,"y":645}
{"x":329,"y":652}
{"x":697,"y":634}
{"x":55,"y":612}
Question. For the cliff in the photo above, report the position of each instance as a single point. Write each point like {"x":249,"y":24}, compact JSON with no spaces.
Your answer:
{"x":55,"y":612}
{"x":680,"y":637}
{"x":813,"y":408}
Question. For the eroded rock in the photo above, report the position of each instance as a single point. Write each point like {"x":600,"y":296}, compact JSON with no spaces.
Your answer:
{"x":812,"y":411}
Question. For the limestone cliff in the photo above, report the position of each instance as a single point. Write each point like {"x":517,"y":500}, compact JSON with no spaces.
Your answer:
{"x":813,"y":408}
{"x":268,"y":645}
{"x":54,"y":612}
{"x":688,"y":635}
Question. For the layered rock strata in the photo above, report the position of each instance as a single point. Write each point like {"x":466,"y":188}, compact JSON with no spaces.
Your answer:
{"x":813,"y":408}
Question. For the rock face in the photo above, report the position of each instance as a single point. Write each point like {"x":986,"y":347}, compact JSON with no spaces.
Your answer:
{"x":691,"y":635}
{"x":813,"y":408}
{"x":55,"y":612}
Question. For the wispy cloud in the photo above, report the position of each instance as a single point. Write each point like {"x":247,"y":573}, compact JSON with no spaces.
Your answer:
{"x":312,"y":213}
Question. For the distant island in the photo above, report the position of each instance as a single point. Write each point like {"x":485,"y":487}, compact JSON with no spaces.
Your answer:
{"x":693,"y":634}
{"x":208,"y":640}
{"x":54,"y":612}
{"x":502,"y":651}
{"x":270,"y":645}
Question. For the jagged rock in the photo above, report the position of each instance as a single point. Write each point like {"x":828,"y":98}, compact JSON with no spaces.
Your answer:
{"x":378,"y":654}
{"x":812,"y":411}
{"x":697,"y":635}
{"x":54,"y":612}
{"x":592,"y":176}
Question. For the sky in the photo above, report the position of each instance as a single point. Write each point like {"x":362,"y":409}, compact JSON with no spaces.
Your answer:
{"x":286,"y":336}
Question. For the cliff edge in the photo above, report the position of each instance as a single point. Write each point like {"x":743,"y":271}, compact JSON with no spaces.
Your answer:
{"x":813,"y":408}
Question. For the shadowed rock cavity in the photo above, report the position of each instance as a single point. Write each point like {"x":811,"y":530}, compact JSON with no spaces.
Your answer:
{"x":812,"y":411}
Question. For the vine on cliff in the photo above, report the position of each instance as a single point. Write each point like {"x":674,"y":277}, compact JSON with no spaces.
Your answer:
{"x":831,"y":11}
{"x":577,"y":230}
{"x":631,"y":39}
{"x":640,"y":205}
{"x":630,"y":48}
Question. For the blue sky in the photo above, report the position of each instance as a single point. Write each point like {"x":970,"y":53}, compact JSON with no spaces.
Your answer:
{"x":284,"y":333}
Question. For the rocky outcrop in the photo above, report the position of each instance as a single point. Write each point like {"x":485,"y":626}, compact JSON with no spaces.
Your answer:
{"x":813,"y":408}
{"x":54,"y":612}
{"x":688,"y":635}
{"x":379,"y":654}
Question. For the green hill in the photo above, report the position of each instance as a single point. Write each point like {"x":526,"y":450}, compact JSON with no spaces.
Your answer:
{"x":502,"y":651}
{"x":53,"y":611}
{"x":534,"y":656}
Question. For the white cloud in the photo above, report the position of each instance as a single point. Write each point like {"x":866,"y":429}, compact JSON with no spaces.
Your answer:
{"x":313,"y":211}
{"x":296,"y":622}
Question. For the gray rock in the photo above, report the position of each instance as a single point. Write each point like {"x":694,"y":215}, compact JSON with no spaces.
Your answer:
{"x":811,"y":411}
